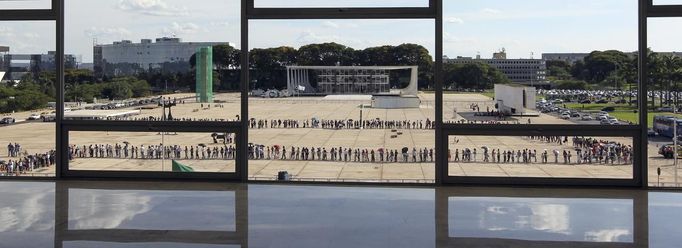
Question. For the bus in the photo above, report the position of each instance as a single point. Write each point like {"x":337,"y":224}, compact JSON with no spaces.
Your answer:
{"x":663,"y":125}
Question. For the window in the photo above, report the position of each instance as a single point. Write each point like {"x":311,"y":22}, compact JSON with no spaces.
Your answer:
{"x":506,"y":33}
{"x":28,"y":98}
{"x":163,"y":61}
{"x":664,"y":81}
{"x":310,"y":101}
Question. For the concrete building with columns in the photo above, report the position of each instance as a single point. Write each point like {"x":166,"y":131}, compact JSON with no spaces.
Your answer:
{"x":347,"y":80}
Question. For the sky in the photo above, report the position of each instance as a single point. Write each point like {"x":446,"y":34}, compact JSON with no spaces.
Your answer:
{"x":524,"y":28}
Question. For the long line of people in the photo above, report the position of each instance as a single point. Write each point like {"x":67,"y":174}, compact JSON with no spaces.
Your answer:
{"x":342,"y":124}
{"x":127,"y":151}
{"x":341,"y":154}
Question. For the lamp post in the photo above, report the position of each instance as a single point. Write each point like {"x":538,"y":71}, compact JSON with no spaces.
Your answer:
{"x":167,"y":104}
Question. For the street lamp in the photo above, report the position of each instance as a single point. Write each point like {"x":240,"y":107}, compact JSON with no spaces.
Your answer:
{"x":167,"y":104}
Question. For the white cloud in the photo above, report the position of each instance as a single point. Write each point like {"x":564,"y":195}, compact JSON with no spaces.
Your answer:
{"x":491,"y":11}
{"x":330,"y":24}
{"x":454,"y":20}
{"x":111,"y":32}
{"x":182,"y":28}
{"x":152,"y":7}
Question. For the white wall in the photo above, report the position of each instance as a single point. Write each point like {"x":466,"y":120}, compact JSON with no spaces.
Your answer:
{"x":511,"y":97}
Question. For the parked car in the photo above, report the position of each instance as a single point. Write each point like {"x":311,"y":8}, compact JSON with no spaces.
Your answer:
{"x":7,"y":120}
{"x":565,"y":116}
{"x":602,"y":101}
{"x":665,"y":109}
{"x":604,"y":122}
{"x":585,"y":101}
{"x":608,"y":109}
{"x":621,"y":101}
{"x":614,"y":122}
{"x":33,"y":117}
{"x":586,"y":118}
{"x":576,"y":114}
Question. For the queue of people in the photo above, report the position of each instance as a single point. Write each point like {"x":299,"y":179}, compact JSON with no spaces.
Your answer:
{"x":28,"y":163}
{"x":128,"y":151}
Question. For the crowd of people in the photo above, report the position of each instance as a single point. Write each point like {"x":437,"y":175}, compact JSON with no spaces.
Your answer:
{"x":376,"y":123}
{"x":25,"y":163}
{"x":128,"y":151}
{"x":341,"y":154}
{"x":585,"y":151}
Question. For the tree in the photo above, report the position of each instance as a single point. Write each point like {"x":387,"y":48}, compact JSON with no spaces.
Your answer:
{"x":326,"y":54}
{"x":473,"y":75}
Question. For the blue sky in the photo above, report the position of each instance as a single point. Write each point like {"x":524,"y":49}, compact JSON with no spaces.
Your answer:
{"x":471,"y":27}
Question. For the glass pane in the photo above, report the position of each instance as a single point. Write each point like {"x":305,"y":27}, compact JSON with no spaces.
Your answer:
{"x":152,"y":151}
{"x":27,"y":98}
{"x":665,"y":78}
{"x":528,"y":221}
{"x":541,"y":156}
{"x":30,"y":4}
{"x":339,"y":3}
{"x":540,"y":62}
{"x":28,"y":214}
{"x":94,"y":209}
{"x":141,"y":58}
{"x":347,"y":94}
{"x":663,"y":216}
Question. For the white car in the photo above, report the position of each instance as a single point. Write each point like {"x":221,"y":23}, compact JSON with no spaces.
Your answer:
{"x":614,"y":122}
{"x":586,"y":118}
{"x":565,"y":116}
{"x":33,"y":117}
{"x":602,"y":117}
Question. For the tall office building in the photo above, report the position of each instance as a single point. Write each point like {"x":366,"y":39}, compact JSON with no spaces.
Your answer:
{"x":123,"y":58}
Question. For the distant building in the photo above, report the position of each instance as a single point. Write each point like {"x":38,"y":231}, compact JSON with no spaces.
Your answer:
{"x":523,"y":71}
{"x":124,"y":57}
{"x":570,"y":58}
{"x":17,"y":65}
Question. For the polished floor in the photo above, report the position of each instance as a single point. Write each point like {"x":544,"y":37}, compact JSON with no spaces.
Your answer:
{"x":174,"y":214}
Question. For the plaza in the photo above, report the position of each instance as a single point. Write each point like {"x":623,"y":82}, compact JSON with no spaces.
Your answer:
{"x":37,"y":137}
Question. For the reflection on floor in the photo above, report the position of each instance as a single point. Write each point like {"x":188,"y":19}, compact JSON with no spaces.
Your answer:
{"x":174,"y":214}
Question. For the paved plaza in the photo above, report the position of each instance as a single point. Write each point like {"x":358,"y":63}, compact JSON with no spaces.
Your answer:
{"x":38,"y":137}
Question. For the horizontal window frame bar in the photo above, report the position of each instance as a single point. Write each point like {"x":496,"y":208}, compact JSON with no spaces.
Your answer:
{"x":540,"y":181}
{"x":28,"y":15}
{"x":152,"y":126}
{"x":147,"y":175}
{"x":341,"y":13}
{"x":519,"y":192}
{"x":664,"y":11}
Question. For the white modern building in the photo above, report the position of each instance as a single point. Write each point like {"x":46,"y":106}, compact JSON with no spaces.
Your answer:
{"x":523,"y":71}
{"x":514,"y":99}
{"x":128,"y":58}
{"x":355,"y":80}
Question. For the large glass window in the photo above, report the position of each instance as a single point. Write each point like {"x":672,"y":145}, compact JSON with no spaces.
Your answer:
{"x":27,"y":98}
{"x":153,"y":60}
{"x":152,"y":151}
{"x":342,"y":100}
{"x":541,"y":156}
{"x":664,"y":82}
{"x":540,"y":62}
